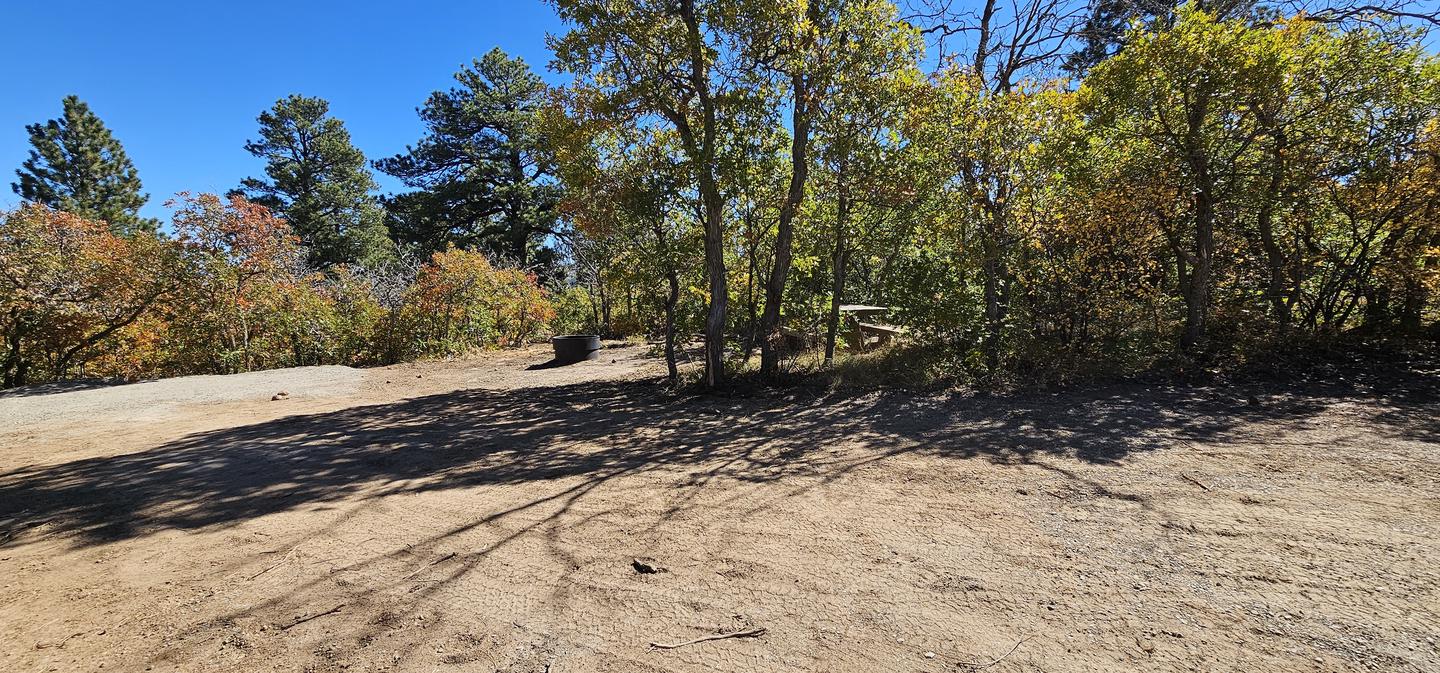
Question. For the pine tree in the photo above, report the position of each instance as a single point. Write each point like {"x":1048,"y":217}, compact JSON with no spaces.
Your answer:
{"x":318,"y":180}
{"x":481,"y":175}
{"x":78,"y":167}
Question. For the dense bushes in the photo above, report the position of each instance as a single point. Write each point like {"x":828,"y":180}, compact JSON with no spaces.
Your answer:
{"x":1215,"y":185}
{"x":459,"y":301}
{"x":229,"y":291}
{"x":1225,"y":188}
{"x":70,"y":289}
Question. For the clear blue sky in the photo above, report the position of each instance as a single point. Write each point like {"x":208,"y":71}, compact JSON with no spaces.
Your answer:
{"x":180,"y":83}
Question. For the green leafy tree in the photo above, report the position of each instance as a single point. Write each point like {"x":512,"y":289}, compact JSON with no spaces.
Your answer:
{"x":860,"y":151}
{"x":318,"y":180}
{"x":624,"y":189}
{"x":482,"y":175}
{"x":654,"y":62}
{"x":805,"y":49}
{"x":77,"y":166}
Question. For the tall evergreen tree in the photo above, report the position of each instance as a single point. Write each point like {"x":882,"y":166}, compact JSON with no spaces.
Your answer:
{"x":318,"y":180}
{"x":77,"y":166}
{"x":481,"y":175}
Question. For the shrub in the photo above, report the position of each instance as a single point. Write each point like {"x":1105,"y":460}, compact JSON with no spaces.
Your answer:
{"x":68,"y":286}
{"x":459,"y":302}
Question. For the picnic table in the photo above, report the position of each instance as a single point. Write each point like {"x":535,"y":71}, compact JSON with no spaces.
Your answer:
{"x":865,"y":326}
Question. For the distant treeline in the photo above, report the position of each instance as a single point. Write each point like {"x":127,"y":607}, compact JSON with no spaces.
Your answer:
{"x":1044,"y":189}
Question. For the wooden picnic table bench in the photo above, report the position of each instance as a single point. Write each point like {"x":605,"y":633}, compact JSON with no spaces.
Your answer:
{"x":864,"y":330}
{"x":876,"y":334}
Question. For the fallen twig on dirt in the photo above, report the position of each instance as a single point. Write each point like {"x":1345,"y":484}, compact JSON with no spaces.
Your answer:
{"x":437,"y":561}
{"x":747,"y":633}
{"x":60,"y":643}
{"x":317,"y":615}
{"x":1195,"y":481}
{"x":289,"y":555}
{"x":981,"y":667}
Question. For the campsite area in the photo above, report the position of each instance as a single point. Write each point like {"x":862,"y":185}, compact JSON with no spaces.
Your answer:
{"x":478,"y":515}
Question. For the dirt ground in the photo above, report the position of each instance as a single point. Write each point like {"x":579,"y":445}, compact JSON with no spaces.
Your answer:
{"x":482,"y":516}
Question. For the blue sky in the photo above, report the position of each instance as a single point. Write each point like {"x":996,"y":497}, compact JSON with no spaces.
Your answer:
{"x":180,"y":83}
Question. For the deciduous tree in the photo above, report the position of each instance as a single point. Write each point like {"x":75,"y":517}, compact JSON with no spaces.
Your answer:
{"x":67,"y":285}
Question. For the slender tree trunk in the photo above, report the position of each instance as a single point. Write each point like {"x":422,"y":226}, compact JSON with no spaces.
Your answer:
{"x":753,"y":271}
{"x":800,"y":119}
{"x":605,"y":311}
{"x":839,"y":260}
{"x":594,"y":304}
{"x":1197,"y":298}
{"x":703,"y":154}
{"x":996,"y":276}
{"x":1275,"y":258}
{"x":672,"y":299}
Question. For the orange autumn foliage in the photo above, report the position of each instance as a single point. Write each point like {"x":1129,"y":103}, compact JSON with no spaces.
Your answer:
{"x":229,"y":291}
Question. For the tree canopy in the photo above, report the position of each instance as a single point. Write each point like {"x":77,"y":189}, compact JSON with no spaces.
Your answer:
{"x":1033,"y":191}
{"x":482,"y":174}
{"x":319,"y":181}
{"x":76,"y":165}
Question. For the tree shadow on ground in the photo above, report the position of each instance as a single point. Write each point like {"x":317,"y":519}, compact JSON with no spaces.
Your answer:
{"x":58,"y":387}
{"x":600,"y":430}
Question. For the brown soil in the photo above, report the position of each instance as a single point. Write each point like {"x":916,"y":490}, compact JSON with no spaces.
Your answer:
{"x":479,"y":516}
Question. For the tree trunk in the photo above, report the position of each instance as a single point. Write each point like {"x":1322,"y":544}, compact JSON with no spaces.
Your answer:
{"x":605,"y":312}
{"x":671,"y":300}
{"x":839,"y":260}
{"x":994,"y":321}
{"x":753,"y":270}
{"x":719,"y":291}
{"x":1276,"y":291}
{"x":703,"y":155}
{"x":785,"y":229}
{"x":1197,"y":297}
{"x":672,"y":297}
{"x":594,"y":305}
{"x":997,"y":275}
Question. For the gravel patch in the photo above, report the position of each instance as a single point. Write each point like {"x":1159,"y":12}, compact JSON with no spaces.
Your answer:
{"x":136,"y":401}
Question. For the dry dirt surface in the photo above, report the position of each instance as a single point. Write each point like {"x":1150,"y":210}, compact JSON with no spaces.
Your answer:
{"x":483,"y":516}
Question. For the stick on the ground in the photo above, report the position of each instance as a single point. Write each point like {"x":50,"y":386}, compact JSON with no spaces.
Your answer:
{"x":289,"y":555}
{"x":60,"y":643}
{"x":747,"y":633}
{"x":317,"y":615}
{"x":1195,"y":481}
{"x":981,"y":667}
{"x":437,"y":561}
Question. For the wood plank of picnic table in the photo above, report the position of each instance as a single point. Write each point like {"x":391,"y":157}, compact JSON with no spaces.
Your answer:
{"x":880,"y":329}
